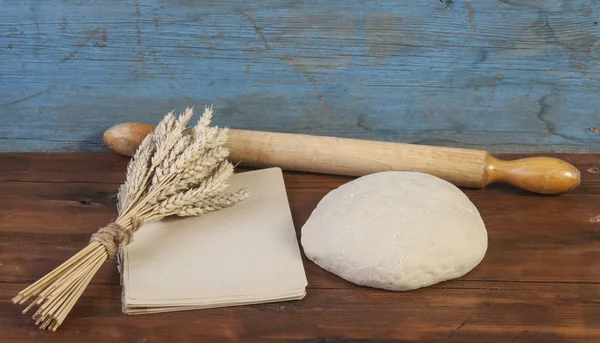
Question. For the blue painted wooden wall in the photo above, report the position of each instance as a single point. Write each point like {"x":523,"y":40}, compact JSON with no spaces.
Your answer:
{"x":513,"y":75}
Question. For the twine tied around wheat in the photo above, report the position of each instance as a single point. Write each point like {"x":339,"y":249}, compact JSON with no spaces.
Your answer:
{"x":172,"y":173}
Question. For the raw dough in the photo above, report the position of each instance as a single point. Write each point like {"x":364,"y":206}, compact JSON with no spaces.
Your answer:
{"x":396,"y":230}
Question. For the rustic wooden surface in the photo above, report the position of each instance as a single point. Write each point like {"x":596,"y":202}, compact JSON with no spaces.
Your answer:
{"x":539,"y":282}
{"x":512,"y":75}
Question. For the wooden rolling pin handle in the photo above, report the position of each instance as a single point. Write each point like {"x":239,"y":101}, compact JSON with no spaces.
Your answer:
{"x":543,"y":175}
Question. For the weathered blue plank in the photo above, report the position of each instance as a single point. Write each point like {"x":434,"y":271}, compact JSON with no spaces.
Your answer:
{"x":498,"y":75}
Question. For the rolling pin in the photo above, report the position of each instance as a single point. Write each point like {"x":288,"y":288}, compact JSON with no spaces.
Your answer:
{"x":354,"y":157}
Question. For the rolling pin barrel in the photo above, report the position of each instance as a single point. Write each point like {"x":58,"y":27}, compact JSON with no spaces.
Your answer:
{"x":342,"y":156}
{"x":353,"y":157}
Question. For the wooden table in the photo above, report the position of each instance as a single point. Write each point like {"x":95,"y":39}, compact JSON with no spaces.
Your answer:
{"x":539,"y":282}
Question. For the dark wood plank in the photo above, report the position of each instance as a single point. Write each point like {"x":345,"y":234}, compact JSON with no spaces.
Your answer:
{"x":530,"y":232}
{"x":469,"y":312}
{"x":110,"y":168}
{"x":539,"y":281}
{"x":89,"y":167}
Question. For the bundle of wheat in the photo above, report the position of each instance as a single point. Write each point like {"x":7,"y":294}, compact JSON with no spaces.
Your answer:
{"x":171,"y":174}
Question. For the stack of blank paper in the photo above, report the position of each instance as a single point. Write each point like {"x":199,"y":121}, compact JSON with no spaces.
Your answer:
{"x":244,"y":254}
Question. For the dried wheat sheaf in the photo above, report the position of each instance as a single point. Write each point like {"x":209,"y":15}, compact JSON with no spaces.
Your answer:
{"x":174,"y":172}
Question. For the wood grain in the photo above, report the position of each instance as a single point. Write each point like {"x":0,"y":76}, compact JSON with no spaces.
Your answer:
{"x":503,"y":76}
{"x":539,"y":281}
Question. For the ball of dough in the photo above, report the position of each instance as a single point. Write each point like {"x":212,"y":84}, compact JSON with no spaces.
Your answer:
{"x":396,"y":230}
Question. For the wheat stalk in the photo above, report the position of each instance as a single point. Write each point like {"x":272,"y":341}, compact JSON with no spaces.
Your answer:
{"x":171,"y":174}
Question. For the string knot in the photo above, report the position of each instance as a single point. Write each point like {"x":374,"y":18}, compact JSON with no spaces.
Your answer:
{"x":114,"y":237}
